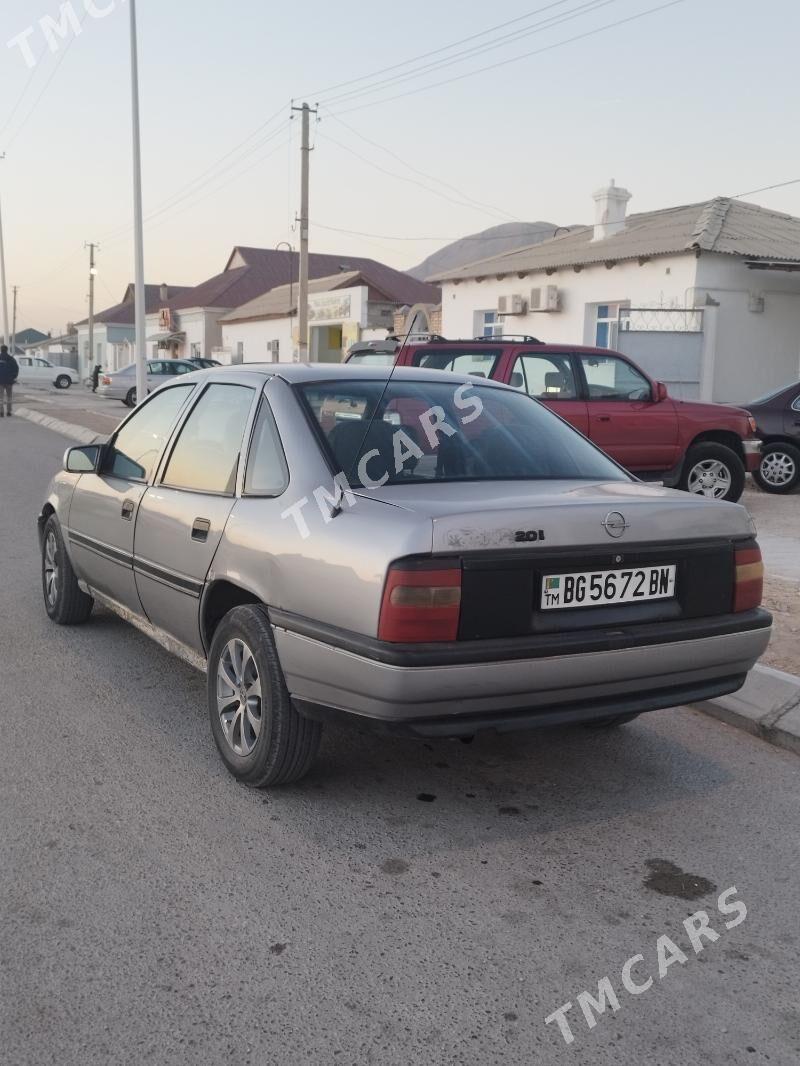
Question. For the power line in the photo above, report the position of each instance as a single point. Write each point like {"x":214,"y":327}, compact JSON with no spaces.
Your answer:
{"x":421,"y":173}
{"x":461,"y":57}
{"x":767,"y":188}
{"x":516,"y":59}
{"x":388,"y":237}
{"x":436,"y":51}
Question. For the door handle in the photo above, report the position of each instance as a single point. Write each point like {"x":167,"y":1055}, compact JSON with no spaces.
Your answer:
{"x":200,"y":529}
{"x":127,"y":510}
{"x":604,"y":418}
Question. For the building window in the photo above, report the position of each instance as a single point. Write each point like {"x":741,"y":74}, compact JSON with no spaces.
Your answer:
{"x":487,"y":324}
{"x":273,"y":351}
{"x":606,"y":325}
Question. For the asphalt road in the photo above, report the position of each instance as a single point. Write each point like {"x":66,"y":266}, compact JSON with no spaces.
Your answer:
{"x":406,"y":904}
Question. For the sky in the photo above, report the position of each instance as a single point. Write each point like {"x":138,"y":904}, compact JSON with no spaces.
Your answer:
{"x":692,"y":101}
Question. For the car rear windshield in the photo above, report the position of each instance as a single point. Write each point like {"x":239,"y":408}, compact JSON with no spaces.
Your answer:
{"x":416,"y":431}
{"x":470,"y":361}
{"x":372,"y":358}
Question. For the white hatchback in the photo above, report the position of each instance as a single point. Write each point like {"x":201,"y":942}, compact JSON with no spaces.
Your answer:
{"x":33,"y":370}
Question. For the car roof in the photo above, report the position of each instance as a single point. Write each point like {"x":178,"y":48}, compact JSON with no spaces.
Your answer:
{"x":309,"y":373}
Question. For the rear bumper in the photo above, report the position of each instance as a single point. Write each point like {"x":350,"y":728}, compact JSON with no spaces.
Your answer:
{"x":752,"y":454}
{"x":519,"y":683}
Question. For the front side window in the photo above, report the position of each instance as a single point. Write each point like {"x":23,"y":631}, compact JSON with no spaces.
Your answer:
{"x":548,"y":377}
{"x":43,"y":362}
{"x":411,"y":432}
{"x":267,"y":473}
{"x":479,"y":364}
{"x":137,"y":446}
{"x":206,"y":455}
{"x":611,"y":378}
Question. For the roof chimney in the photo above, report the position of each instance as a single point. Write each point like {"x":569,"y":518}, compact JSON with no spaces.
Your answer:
{"x":609,"y":211}
{"x":164,"y":293}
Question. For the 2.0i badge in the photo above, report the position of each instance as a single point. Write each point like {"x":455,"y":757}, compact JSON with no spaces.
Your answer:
{"x":528,"y":536}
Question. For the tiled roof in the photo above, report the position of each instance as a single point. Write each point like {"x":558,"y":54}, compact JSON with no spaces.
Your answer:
{"x":283,"y":299}
{"x":722,"y":225}
{"x":122,"y":314}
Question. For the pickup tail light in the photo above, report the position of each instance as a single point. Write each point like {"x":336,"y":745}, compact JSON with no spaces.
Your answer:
{"x":105,"y":379}
{"x":420,"y":604}
{"x":749,"y":579}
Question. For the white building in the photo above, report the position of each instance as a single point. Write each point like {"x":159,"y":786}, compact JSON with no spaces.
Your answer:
{"x":342,"y":309}
{"x":705,"y":296}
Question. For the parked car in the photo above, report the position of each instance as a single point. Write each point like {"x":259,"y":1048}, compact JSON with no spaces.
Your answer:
{"x":777,"y":418}
{"x":33,"y":370}
{"x":203,"y":364}
{"x":483,"y":567}
{"x":121,"y":384}
{"x":704,"y":448}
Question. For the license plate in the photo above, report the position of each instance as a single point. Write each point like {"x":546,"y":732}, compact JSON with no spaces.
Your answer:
{"x":607,"y":587}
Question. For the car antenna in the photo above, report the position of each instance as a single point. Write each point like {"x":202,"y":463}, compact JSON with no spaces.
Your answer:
{"x":340,"y":492}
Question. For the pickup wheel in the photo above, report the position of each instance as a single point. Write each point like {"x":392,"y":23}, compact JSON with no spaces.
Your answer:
{"x":713,"y":470}
{"x":779,"y":470}
{"x":262,"y":739}
{"x":63,"y":381}
{"x":64,"y":601}
{"x":130,"y":398}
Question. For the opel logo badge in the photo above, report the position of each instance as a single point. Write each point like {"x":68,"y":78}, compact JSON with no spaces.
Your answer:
{"x":614,"y":524}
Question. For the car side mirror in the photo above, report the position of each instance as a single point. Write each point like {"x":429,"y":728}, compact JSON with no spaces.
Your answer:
{"x":660,"y":392}
{"x":83,"y":460}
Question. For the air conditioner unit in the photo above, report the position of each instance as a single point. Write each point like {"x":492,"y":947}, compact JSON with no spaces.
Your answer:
{"x":545,"y":299}
{"x":510,"y":305}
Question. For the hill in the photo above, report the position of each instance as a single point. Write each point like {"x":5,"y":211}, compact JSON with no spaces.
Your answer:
{"x":493,"y":241}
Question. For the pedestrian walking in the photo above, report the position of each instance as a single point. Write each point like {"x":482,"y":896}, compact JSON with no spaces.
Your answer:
{"x":96,"y":376}
{"x":9,"y":372}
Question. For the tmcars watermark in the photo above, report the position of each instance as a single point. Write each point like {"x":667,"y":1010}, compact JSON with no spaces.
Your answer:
{"x":698,"y":929}
{"x":433,"y":423}
{"x":57,"y":28}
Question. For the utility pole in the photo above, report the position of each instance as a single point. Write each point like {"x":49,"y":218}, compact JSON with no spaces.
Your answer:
{"x":92,"y":273}
{"x":302,"y":298}
{"x":139,"y":301}
{"x":15,"y":290}
{"x":3,"y":274}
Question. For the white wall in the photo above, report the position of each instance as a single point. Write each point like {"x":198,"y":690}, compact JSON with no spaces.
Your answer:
{"x":755,"y":351}
{"x":660,"y":282}
{"x":255,"y":336}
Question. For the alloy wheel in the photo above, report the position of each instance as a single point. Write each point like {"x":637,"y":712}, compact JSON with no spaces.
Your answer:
{"x":239,"y":702}
{"x":778,"y":469}
{"x":51,"y":569}
{"x":710,"y":478}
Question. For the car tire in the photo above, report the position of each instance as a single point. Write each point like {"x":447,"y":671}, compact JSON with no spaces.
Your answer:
{"x":713,"y":470}
{"x":779,"y":470}
{"x":613,"y":721}
{"x":130,"y":398}
{"x":262,"y":739}
{"x":65,"y":602}
{"x":63,"y":381}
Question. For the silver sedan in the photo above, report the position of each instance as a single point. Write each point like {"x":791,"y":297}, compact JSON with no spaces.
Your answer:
{"x":121,"y":384}
{"x":410,"y":549}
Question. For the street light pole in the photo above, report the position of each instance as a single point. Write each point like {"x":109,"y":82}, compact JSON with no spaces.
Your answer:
{"x":3,"y":275}
{"x":278,"y":246}
{"x":139,"y":300}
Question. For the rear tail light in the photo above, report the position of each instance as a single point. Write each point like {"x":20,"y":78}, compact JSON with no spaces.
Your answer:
{"x":420,"y":605}
{"x":749,"y":579}
{"x":105,"y":380}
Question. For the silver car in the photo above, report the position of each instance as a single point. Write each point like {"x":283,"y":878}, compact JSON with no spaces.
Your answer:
{"x":411,"y":549}
{"x":121,"y":384}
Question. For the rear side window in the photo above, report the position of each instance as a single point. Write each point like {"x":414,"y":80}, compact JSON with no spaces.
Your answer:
{"x":547,"y":377}
{"x":414,"y":431}
{"x":139,"y":443}
{"x":476,"y":363}
{"x":267,"y":473}
{"x":611,"y":378}
{"x":206,"y":455}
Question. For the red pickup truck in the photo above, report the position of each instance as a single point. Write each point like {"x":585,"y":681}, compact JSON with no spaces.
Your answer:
{"x":700,"y":447}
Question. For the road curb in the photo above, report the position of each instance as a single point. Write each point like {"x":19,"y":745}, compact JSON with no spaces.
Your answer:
{"x":67,"y":429}
{"x":768,"y":706}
